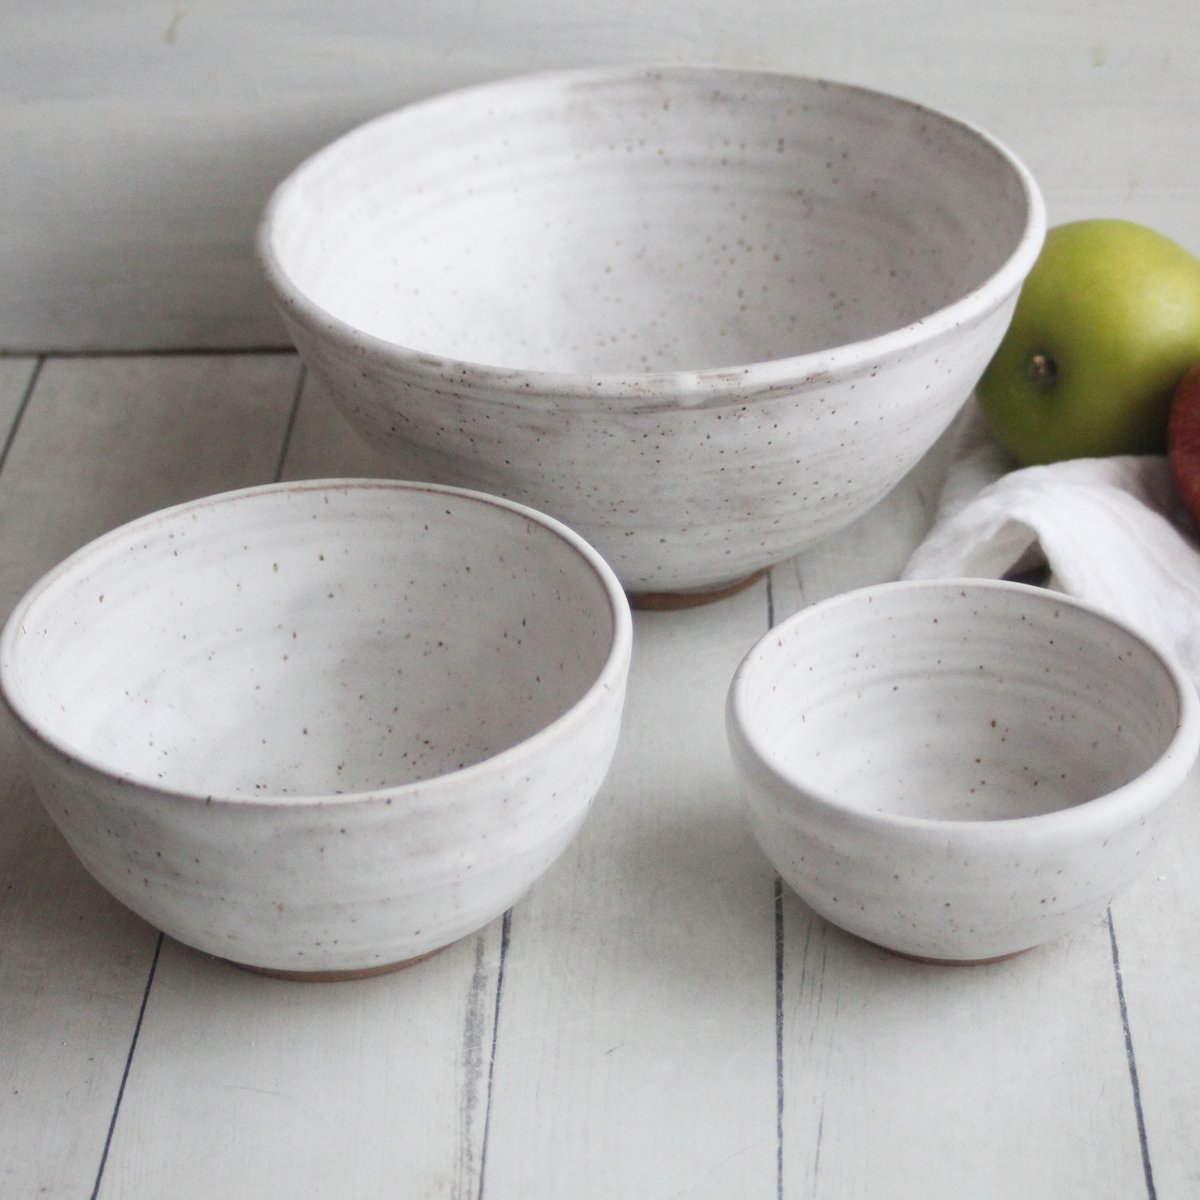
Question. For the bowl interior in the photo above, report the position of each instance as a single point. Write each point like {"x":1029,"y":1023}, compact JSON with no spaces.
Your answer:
{"x":625,"y":222}
{"x":958,"y":702}
{"x":310,"y":640}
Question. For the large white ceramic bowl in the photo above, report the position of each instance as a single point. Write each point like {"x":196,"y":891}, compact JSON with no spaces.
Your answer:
{"x":958,"y":770}
{"x":321,"y":728}
{"x":705,"y":317}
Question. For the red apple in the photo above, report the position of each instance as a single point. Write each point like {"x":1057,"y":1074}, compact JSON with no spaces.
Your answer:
{"x":1183,"y":439}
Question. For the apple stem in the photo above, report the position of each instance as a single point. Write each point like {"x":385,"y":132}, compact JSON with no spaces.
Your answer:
{"x":1043,"y":370}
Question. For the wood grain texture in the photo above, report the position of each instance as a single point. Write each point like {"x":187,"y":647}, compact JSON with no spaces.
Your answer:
{"x":141,"y":140}
{"x":1002,"y":1080}
{"x":656,"y":1018}
{"x":376,"y":1088}
{"x":100,"y":441}
{"x":324,"y":446}
{"x":635,"y":1051}
{"x":1156,"y":935}
{"x":373,"y":1089}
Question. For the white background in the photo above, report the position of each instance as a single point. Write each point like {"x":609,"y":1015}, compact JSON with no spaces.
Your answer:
{"x":140,"y":139}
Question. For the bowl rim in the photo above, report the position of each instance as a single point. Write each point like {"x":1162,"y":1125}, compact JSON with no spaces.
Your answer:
{"x":694,"y":386}
{"x":611,"y":677}
{"x":1159,"y":780}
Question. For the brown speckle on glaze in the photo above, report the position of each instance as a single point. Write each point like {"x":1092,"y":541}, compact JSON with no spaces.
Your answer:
{"x":747,"y":243}
{"x":340,"y":752}
{"x":1021,"y":798}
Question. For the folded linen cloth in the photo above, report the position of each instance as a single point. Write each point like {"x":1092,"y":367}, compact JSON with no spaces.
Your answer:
{"x":1110,"y":531}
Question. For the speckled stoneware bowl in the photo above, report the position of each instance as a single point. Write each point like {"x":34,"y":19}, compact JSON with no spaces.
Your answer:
{"x":321,"y":729}
{"x":705,"y":317}
{"x":959,"y":771}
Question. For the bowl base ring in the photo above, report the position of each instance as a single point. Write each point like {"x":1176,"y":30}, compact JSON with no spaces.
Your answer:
{"x":671,"y":601}
{"x":931,"y":961}
{"x":334,"y":976}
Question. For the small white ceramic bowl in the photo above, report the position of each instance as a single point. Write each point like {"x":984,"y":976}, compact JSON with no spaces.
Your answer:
{"x":958,"y":771}
{"x":321,"y":728}
{"x":705,"y":317}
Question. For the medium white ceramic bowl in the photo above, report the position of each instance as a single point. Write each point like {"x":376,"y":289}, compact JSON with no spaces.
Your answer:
{"x":321,"y":728}
{"x":959,"y":771}
{"x":705,"y":317}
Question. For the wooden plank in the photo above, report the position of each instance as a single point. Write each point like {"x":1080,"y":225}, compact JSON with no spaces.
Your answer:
{"x":109,"y":439}
{"x":249,"y":1086}
{"x":324,"y":446}
{"x":16,"y":380}
{"x":1156,"y":932}
{"x":629,"y":963}
{"x":635,"y":1051}
{"x":1007,"y":1081}
{"x":101,"y":442}
{"x":912,"y":1081}
{"x":636,"y":1045}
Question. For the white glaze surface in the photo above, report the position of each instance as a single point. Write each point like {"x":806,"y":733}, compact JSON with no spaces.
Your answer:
{"x":705,"y":317}
{"x":656,"y":1017}
{"x":959,"y":770}
{"x":322,"y":727}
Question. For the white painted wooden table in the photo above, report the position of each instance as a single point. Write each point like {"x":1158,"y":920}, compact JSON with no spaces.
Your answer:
{"x":657,"y":1018}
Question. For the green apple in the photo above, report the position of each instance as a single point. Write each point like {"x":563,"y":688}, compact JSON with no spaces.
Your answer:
{"x":1106,"y":324}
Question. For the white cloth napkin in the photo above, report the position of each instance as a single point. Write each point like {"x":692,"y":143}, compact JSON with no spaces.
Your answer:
{"x":1110,"y":531}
